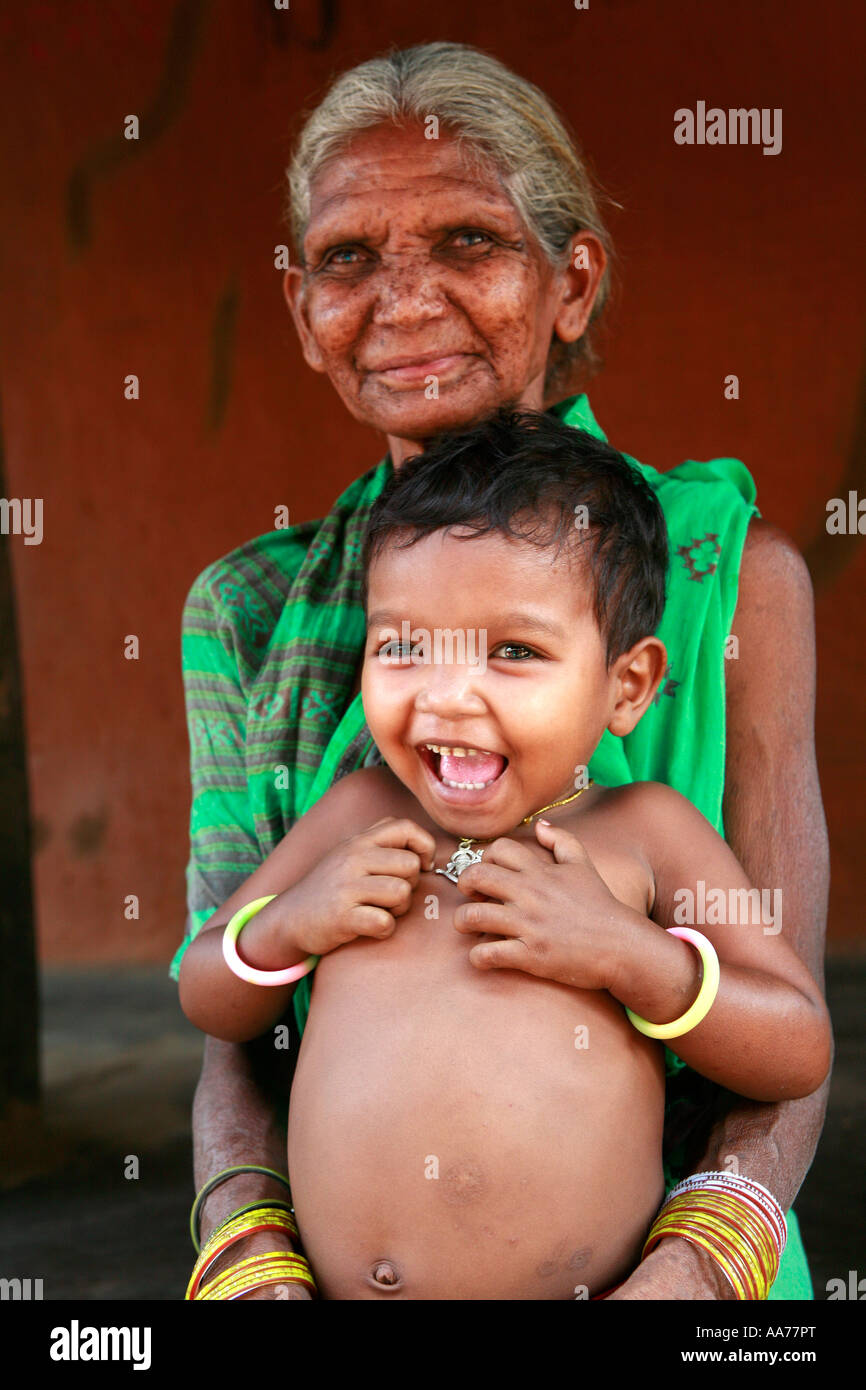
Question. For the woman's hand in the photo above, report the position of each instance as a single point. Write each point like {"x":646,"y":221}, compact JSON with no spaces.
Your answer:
{"x":359,"y":888}
{"x":675,"y":1271}
{"x":559,"y":921}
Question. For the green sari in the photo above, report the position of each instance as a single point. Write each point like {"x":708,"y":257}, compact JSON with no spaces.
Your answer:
{"x":272,"y":635}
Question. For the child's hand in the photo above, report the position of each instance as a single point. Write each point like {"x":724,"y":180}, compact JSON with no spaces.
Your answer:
{"x":359,"y":888}
{"x":559,"y":921}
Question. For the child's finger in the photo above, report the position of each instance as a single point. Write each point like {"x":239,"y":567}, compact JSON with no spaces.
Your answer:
{"x":402,"y":833}
{"x":478,"y":918}
{"x":386,"y":890}
{"x":501,"y":955}
{"x":492,"y":880}
{"x":398,"y":863}
{"x":366,"y":920}
{"x":566,"y":847}
{"x":510,"y":854}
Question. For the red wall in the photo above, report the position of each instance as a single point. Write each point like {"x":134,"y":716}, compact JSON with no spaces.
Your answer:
{"x":156,"y":258}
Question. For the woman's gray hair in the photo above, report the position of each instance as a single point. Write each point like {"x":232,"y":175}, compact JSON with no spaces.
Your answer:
{"x":500,"y":119}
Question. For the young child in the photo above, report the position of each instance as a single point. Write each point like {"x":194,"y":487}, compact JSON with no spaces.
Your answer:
{"x":474,"y":1113}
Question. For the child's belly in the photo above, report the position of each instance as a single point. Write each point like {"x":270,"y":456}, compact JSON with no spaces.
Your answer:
{"x":469,"y":1134}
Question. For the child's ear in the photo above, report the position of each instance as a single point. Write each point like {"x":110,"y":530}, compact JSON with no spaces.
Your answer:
{"x":635,"y":678}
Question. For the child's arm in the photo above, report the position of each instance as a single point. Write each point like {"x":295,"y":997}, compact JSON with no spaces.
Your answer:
{"x":767,"y":1034}
{"x":332,"y":884}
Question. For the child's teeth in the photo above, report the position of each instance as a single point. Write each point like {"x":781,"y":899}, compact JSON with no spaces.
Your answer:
{"x":443,"y":752}
{"x":454,"y":752}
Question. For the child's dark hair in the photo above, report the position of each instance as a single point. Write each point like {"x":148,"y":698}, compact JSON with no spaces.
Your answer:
{"x":526,"y":474}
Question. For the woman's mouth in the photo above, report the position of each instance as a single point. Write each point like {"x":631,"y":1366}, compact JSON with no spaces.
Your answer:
{"x":463,"y":769}
{"x":417,"y":371}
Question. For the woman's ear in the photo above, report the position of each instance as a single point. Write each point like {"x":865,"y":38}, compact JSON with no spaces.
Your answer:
{"x":293,"y":292}
{"x":580,"y":285}
{"x":636,"y":676}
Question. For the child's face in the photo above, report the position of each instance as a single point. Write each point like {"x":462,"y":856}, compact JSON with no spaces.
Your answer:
{"x":514,"y":667}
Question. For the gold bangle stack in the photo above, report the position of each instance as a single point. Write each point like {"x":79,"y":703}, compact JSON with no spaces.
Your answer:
{"x":274,"y":1267}
{"x":730,"y":1230}
{"x":258,"y":1270}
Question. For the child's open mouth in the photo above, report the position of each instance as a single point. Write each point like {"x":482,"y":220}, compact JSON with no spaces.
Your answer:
{"x":463,"y":769}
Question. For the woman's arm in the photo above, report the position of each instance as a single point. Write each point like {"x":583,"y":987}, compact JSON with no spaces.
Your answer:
{"x":236,"y":1113}
{"x":237,"y":1120}
{"x":774,"y":823}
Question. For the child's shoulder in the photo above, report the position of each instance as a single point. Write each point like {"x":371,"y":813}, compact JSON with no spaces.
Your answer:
{"x":652,"y":807}
{"x":657,"y":825}
{"x":364,"y":796}
{"x":349,"y":806}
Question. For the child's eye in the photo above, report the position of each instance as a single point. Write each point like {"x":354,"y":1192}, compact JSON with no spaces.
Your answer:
{"x":395,"y":653}
{"x":514,"y":651}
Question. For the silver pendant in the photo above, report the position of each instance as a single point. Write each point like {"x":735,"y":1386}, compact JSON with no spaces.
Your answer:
{"x":461,"y":859}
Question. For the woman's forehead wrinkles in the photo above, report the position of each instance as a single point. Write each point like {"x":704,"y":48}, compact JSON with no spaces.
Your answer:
{"x":365,"y":213}
{"x":446,"y":190}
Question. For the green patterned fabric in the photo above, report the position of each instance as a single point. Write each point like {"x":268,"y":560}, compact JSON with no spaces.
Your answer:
{"x":272,"y":637}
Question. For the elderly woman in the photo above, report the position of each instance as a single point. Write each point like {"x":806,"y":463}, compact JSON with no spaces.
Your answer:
{"x":451,"y":260}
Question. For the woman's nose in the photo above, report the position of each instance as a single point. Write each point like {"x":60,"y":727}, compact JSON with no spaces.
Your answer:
{"x":408,"y":295}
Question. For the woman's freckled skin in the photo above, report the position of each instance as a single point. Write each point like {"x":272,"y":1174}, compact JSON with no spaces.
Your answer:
{"x":412,"y":254}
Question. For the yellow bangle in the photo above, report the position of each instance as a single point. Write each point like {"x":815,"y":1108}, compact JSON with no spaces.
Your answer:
{"x":273,"y":1268}
{"x":706,"y":994}
{"x":729,"y":1230}
{"x":234,"y":1229}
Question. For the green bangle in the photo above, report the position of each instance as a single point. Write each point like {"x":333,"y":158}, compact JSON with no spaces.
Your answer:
{"x":216,"y":1181}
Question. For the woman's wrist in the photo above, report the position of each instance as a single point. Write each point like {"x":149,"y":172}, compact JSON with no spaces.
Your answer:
{"x":691,"y":1270}
{"x":236,"y":1192}
{"x":772,"y":1143}
{"x":259,"y":1243}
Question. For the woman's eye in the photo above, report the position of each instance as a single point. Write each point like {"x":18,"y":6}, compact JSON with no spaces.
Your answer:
{"x":514,"y":651}
{"x":343,"y":255}
{"x":469,"y":232}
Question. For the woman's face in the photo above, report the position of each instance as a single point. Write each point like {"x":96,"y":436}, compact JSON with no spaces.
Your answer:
{"x":424,"y":297}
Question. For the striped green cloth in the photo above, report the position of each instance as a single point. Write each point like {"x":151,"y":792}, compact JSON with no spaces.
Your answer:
{"x":272,"y":637}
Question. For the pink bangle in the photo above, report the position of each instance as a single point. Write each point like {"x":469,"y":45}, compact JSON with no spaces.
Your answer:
{"x":248,"y":972}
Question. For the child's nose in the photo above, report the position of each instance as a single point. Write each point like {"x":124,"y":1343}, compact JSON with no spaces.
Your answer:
{"x":449,"y":690}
